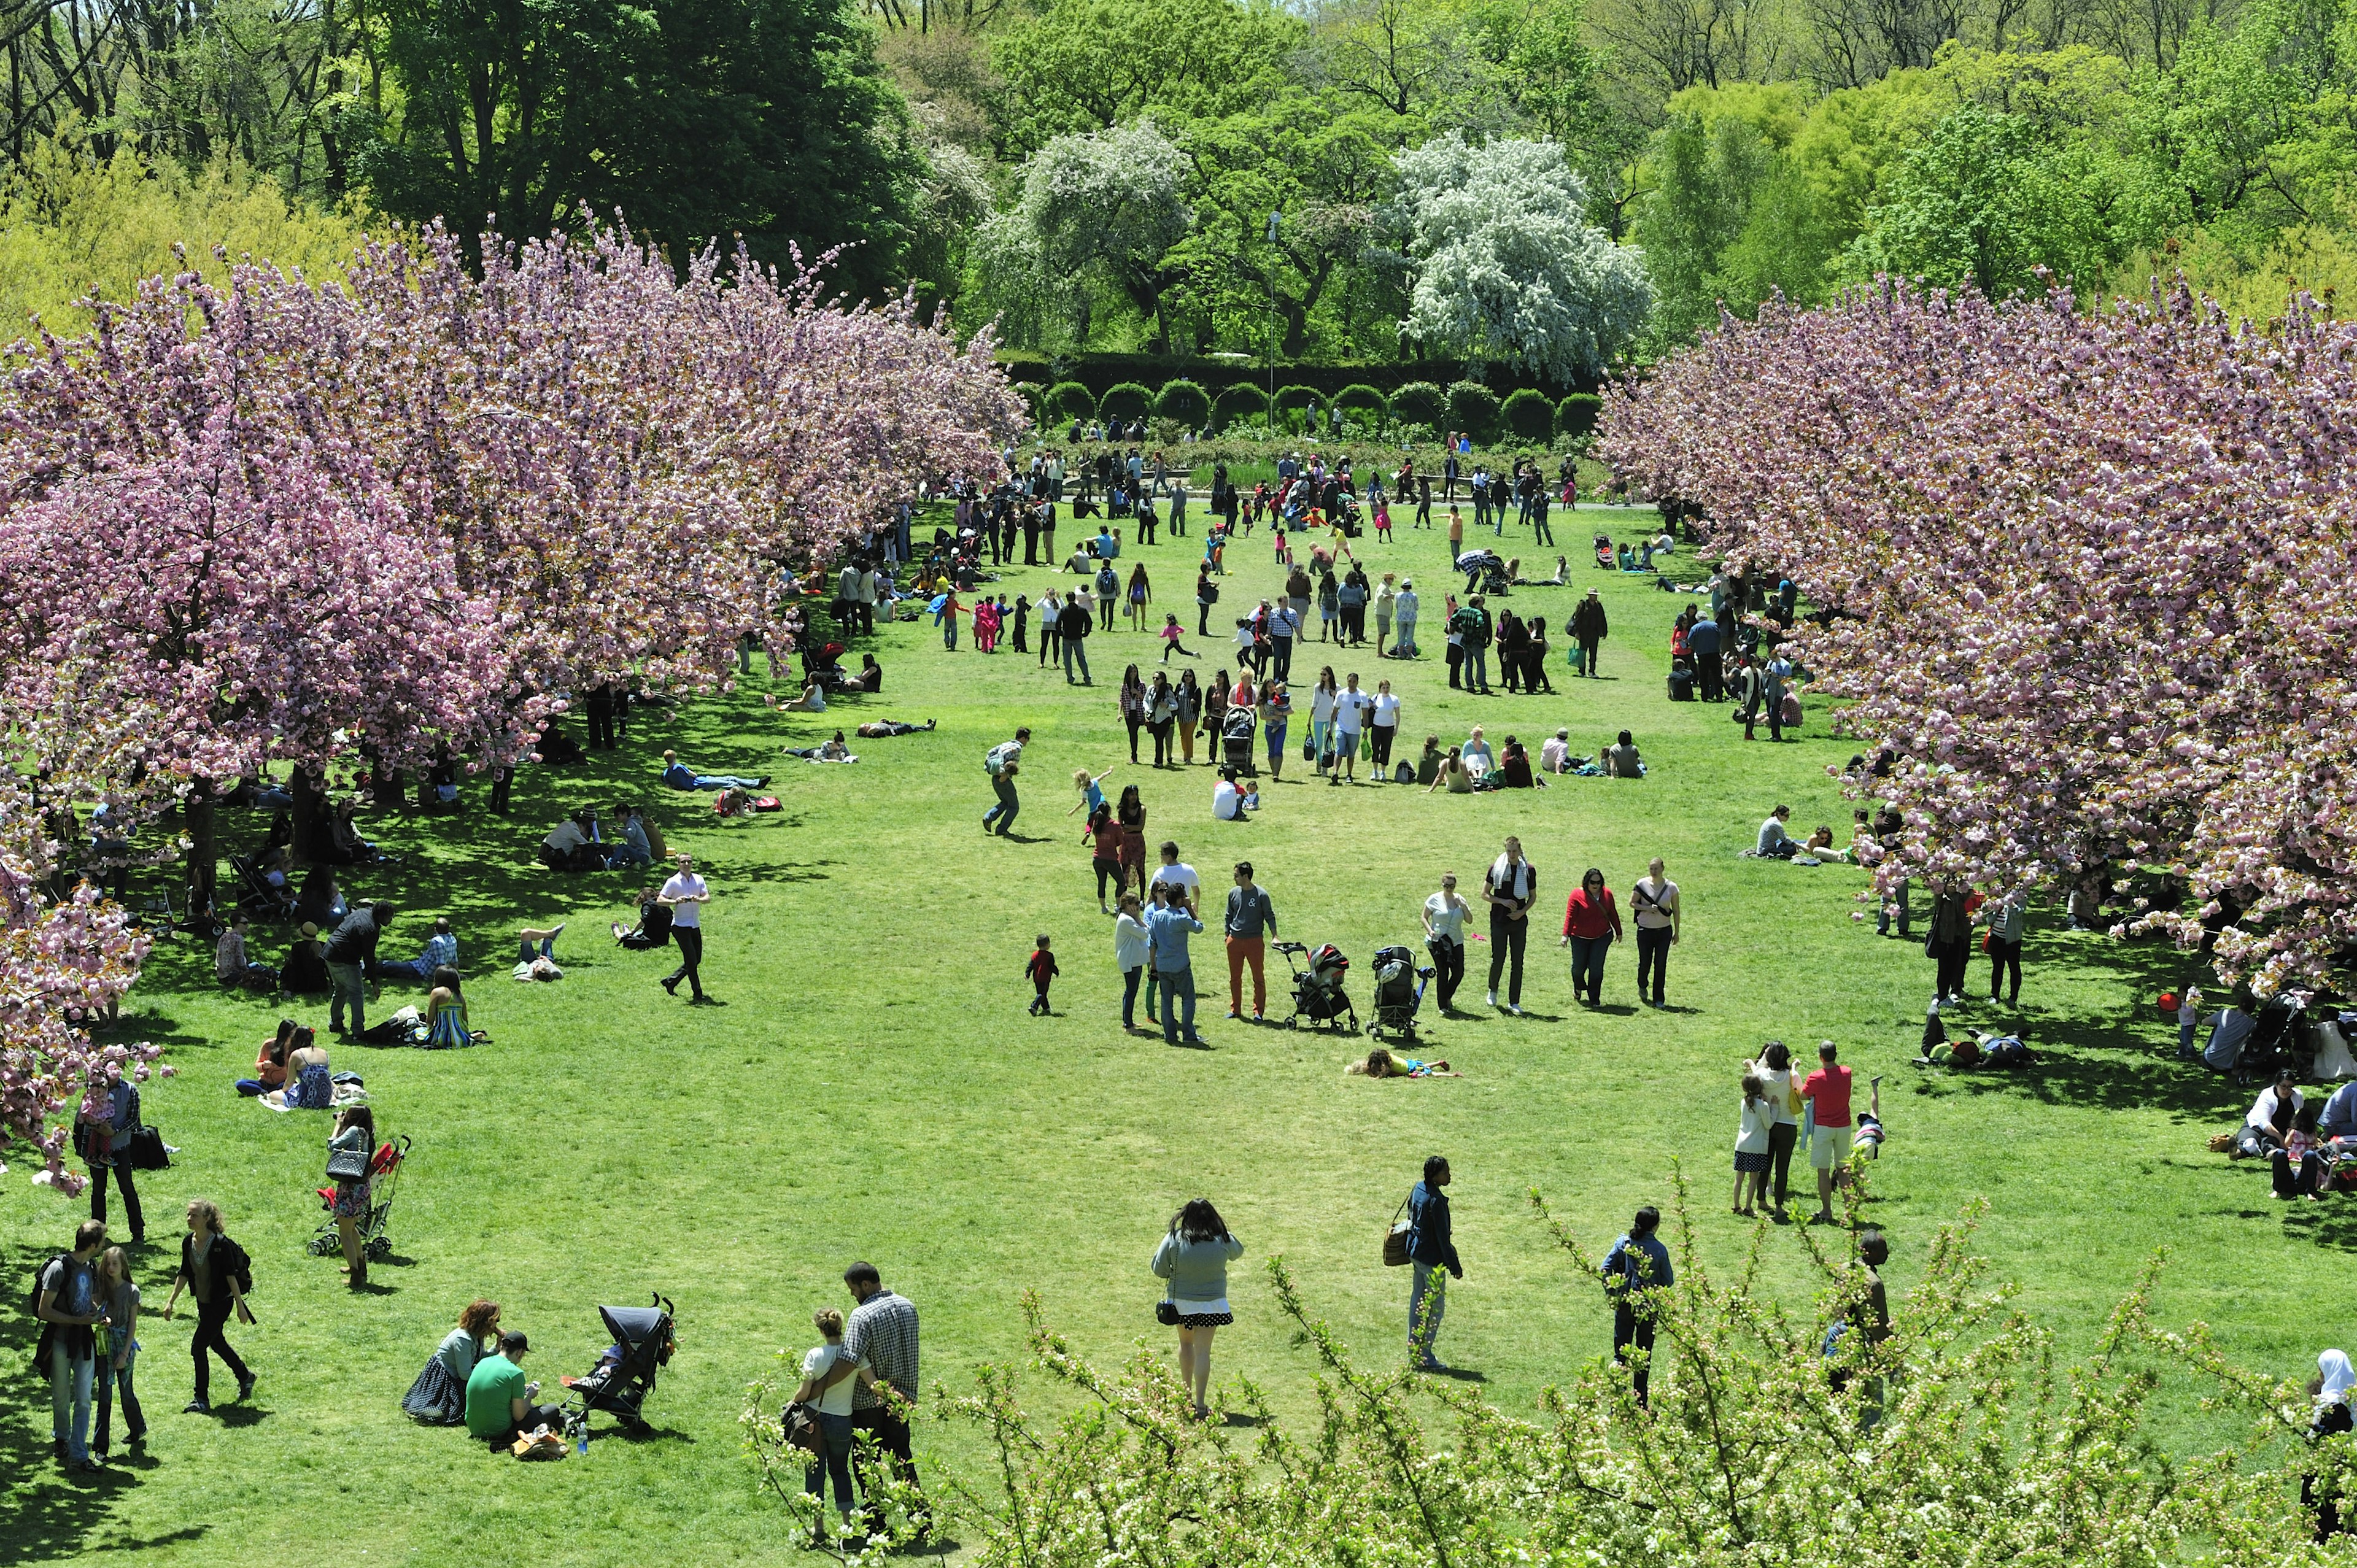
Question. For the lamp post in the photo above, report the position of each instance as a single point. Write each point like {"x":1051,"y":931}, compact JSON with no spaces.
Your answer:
{"x":1274,"y":220}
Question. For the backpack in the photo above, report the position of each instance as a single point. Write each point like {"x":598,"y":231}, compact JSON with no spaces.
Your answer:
{"x":33,"y":1296}
{"x":993,"y":762}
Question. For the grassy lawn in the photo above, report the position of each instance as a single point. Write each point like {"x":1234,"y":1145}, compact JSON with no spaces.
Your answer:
{"x":873,"y":1088}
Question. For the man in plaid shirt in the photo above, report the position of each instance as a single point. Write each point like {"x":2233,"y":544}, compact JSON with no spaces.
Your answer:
{"x":883,"y":1331}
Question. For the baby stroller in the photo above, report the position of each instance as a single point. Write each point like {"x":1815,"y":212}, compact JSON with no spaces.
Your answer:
{"x":1399,"y":990}
{"x":1235,"y":741}
{"x":375,"y":1227}
{"x":1604,"y":554}
{"x":256,"y":899}
{"x":2253,"y":1047}
{"x":1318,"y":988}
{"x":824,"y":666}
{"x":625,"y":1374}
{"x":1484,"y":572}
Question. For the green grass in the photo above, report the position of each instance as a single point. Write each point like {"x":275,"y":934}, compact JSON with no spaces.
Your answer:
{"x":873,"y":1088}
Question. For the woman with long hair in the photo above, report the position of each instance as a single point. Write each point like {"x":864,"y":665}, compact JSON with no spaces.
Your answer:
{"x":445,"y":1011}
{"x":355,"y":1130}
{"x":1190,"y":714}
{"x":1133,"y":705}
{"x":1129,"y":821}
{"x":1193,"y":1258}
{"x":1161,"y":716}
{"x":1323,"y":698}
{"x":270,"y":1063}
{"x":438,"y":1397}
{"x":1139,"y":595}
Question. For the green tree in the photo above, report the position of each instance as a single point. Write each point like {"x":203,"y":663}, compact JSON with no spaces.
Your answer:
{"x":1730,"y":219}
{"x":699,"y":119}
{"x":1090,"y":65}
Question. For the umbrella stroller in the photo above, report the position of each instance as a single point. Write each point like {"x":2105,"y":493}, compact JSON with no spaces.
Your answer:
{"x":1317,"y":993}
{"x":626,"y":1372}
{"x":1399,"y":990}
{"x":376,"y":1225}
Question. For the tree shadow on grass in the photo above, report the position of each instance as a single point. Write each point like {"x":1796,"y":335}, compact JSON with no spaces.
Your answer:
{"x":2100,"y":1060}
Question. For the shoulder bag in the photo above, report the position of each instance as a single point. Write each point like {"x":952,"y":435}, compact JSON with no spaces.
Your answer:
{"x":1395,"y":1236}
{"x":348,"y":1163}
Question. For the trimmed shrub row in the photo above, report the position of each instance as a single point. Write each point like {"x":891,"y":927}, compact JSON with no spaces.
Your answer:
{"x":1526,"y":415}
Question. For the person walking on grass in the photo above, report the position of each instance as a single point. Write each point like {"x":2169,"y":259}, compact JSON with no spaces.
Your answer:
{"x":1653,"y":903}
{"x":1827,"y":1091}
{"x":118,"y":1346}
{"x":1431,"y":1249}
{"x":1132,"y":949}
{"x":1041,"y":969}
{"x":1636,"y":1267}
{"x":216,"y":1273}
{"x":882,"y":1332}
{"x":830,"y":1373}
{"x":1444,"y":937}
{"x":105,"y":1142}
{"x":1003,"y":763}
{"x":1510,"y":889}
{"x":1352,"y":707}
{"x":685,"y":895}
{"x":1251,"y":921}
{"x":1193,"y":1258}
{"x":1587,"y":627}
{"x":67,"y":1305}
{"x":2005,"y":917}
{"x":1590,"y":921}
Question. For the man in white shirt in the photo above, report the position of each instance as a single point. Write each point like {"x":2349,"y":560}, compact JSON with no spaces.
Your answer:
{"x":1654,"y":903}
{"x":685,"y":895}
{"x":1174,"y":873}
{"x":1225,"y":800}
{"x":1351,"y":705}
{"x":1555,"y":756}
{"x":1284,"y":626}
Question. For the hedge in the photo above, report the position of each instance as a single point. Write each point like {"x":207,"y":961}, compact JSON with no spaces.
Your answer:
{"x":1361,"y":401}
{"x":1420,"y":402}
{"x":1299,"y":400}
{"x":1069,"y":400}
{"x":1183,"y":403}
{"x":1475,"y":410}
{"x":1242,"y":403}
{"x":1530,"y":416}
{"x":1125,"y":401}
{"x":1579,"y":414}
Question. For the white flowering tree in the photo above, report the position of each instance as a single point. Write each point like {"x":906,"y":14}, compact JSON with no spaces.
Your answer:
{"x":1096,"y":210}
{"x":1507,"y":270}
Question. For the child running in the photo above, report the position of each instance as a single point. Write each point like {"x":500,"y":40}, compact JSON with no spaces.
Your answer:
{"x":1171,"y":632}
{"x":1091,"y":796}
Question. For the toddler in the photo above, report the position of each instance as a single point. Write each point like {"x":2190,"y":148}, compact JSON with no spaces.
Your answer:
{"x":1042,"y":968}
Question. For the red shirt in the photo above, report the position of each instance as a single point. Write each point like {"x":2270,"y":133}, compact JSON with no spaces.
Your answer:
{"x":1827,"y":1089}
{"x":1583,"y":918}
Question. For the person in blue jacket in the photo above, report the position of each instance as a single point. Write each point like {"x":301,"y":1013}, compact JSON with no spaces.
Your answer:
{"x":1637,"y":1264}
{"x":1429,"y":1249}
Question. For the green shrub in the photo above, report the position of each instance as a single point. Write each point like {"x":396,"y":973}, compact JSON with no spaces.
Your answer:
{"x":1069,"y":400}
{"x":1475,"y":410}
{"x":1242,"y":403}
{"x":1420,"y":402}
{"x":1183,"y":403}
{"x":1530,"y":416}
{"x":1125,"y":401}
{"x":1364,"y":404}
{"x":1300,"y":407}
{"x":1579,"y":415}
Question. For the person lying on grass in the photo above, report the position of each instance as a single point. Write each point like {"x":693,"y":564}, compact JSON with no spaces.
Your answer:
{"x":1382,"y":1063}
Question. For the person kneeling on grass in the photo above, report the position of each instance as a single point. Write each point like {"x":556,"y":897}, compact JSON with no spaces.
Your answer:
{"x":499,"y":1400}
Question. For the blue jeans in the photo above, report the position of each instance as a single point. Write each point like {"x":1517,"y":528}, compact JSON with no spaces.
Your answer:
{"x":70,"y":1399}
{"x":1076,"y":652}
{"x":622,"y":854}
{"x":1477,"y":668}
{"x":1129,"y":981}
{"x":1178,"y":996}
{"x":1587,"y":965}
{"x":350,"y":988}
{"x":109,"y":1379}
{"x":1002,"y":815}
{"x":836,"y":1462}
{"x":724,"y":782}
{"x":1405,"y":641}
{"x":949,"y":631}
{"x":405,"y":969}
{"x":1422,"y":1324}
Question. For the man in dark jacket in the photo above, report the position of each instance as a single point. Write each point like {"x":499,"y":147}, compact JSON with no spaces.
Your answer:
{"x":1587,"y":628}
{"x":1429,"y":1249}
{"x":349,"y":952}
{"x":1073,"y":624}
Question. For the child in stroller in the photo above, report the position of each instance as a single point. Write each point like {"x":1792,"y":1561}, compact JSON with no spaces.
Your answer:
{"x":625,"y":1374}
{"x":1604,"y":555}
{"x":1318,"y":993}
{"x":1399,"y":990}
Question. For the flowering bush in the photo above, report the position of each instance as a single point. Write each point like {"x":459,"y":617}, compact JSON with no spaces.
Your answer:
{"x":2083,"y":573}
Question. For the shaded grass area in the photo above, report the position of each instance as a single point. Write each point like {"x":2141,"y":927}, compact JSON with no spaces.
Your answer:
{"x":872,"y":1088}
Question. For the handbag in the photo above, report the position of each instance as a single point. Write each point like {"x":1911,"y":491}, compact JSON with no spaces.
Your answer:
{"x":802,"y":1429}
{"x":1309,"y":750}
{"x":1166,"y":1312}
{"x":346,"y":1164}
{"x":1395,"y":1236}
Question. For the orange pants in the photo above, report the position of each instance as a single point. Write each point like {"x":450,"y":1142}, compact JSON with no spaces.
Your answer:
{"x":1242,"y":950}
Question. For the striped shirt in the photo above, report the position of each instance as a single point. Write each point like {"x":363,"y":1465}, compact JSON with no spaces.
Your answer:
{"x":883,"y":1331}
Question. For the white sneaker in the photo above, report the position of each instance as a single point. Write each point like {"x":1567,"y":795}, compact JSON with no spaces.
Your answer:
{"x":1494,"y":999}
{"x":1515,"y":1010}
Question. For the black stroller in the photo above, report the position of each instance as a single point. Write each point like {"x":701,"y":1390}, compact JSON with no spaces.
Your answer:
{"x":2253,"y":1047}
{"x":1485,"y":573}
{"x":1317,"y":993}
{"x":1236,"y":741}
{"x":626,"y":1372}
{"x":1399,"y":991}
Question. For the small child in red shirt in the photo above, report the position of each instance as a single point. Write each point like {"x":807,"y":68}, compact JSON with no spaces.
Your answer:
{"x":1041,"y":969}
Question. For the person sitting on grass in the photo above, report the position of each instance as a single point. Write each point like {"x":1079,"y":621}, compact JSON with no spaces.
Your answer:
{"x":734,"y":805}
{"x":811,"y":701}
{"x":1774,"y":841}
{"x":441,"y":949}
{"x":233,"y":966}
{"x":1452,"y":775}
{"x":654,"y":929}
{"x":630,"y":846}
{"x":438,"y":1397}
{"x":1476,"y":754}
{"x":885,"y":729}
{"x":270,"y":1064}
{"x":1514,"y":768}
{"x":309,"y":1086}
{"x":680,"y":776}
{"x":306,"y":969}
{"x":571,"y":844}
{"x":1382,"y":1063}
{"x":498,"y":1400}
{"x":1227,"y":801}
{"x":1620,"y":758}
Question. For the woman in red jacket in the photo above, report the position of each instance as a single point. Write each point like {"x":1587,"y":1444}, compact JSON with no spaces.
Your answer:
{"x":1590,"y":921}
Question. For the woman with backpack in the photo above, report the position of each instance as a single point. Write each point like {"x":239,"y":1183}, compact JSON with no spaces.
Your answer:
{"x":217,"y":1274}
